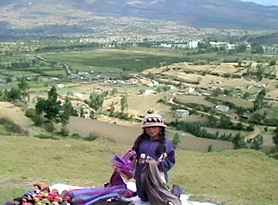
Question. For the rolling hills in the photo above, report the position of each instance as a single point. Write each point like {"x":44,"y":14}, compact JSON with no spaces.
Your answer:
{"x":196,"y":13}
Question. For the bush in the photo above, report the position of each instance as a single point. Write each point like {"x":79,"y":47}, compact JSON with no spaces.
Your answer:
{"x":46,"y":136}
{"x":38,"y":120}
{"x":64,"y":131}
{"x":49,"y":126}
{"x":34,"y":116}
{"x":30,"y":112}
{"x":210,"y":148}
{"x":92,"y":136}
{"x":272,"y":62}
{"x":11,"y":126}
{"x":75,"y":136}
{"x":176,"y":139}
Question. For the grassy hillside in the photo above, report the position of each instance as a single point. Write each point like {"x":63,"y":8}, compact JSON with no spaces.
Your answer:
{"x":233,"y":177}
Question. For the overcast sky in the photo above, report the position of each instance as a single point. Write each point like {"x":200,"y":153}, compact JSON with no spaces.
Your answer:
{"x":265,"y":2}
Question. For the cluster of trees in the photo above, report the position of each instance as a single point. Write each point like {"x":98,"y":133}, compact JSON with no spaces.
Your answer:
{"x":17,"y":93}
{"x":68,"y":47}
{"x":197,"y":130}
{"x":237,"y":140}
{"x":261,"y":71}
{"x":225,"y":123}
{"x":50,"y":111}
{"x":240,"y":142}
{"x":19,"y":63}
{"x":96,"y":100}
{"x":238,"y":109}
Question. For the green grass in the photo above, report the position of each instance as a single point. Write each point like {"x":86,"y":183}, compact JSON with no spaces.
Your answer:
{"x":274,"y":112}
{"x":241,"y":177}
{"x":112,"y":60}
{"x":238,"y":102}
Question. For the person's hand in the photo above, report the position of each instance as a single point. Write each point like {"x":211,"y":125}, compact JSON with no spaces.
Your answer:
{"x":151,"y":160}
{"x":162,"y":157}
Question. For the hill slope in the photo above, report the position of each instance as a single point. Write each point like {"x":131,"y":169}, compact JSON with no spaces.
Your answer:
{"x":198,"y":13}
{"x":233,"y":177}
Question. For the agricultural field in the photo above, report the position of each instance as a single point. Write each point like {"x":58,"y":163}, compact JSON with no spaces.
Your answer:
{"x":113,"y":60}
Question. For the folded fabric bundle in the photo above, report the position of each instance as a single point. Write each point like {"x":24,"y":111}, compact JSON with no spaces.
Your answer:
{"x":155,"y":187}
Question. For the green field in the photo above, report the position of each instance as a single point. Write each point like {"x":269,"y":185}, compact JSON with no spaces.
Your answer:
{"x":242,"y":177}
{"x":114,"y":60}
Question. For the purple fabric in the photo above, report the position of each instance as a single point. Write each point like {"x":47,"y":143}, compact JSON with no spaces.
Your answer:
{"x":125,"y":164}
{"x":84,"y":196}
{"x":116,"y":187}
{"x":103,"y":197}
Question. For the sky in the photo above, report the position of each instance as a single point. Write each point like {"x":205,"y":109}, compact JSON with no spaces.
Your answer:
{"x":265,"y":2}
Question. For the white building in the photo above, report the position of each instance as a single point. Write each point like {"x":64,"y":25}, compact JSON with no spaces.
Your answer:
{"x":222,"y":108}
{"x":193,"y":44}
{"x":182,"y":114}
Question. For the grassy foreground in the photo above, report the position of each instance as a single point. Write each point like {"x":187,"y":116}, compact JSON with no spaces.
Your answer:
{"x":231,"y":177}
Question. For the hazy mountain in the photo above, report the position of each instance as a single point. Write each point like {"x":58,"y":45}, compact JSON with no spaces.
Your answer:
{"x":199,"y":13}
{"x":264,"y":2}
{"x":267,"y":39}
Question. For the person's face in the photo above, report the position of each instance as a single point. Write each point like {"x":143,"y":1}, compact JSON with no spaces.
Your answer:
{"x":153,"y":132}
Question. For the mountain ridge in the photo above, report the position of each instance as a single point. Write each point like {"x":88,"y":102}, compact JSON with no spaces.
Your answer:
{"x":196,"y":13}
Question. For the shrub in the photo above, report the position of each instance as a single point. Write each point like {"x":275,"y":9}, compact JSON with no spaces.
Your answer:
{"x":38,"y":119}
{"x":176,"y":139}
{"x":92,"y":136}
{"x":46,"y":136}
{"x":64,"y":131}
{"x":210,"y":148}
{"x":75,"y":136}
{"x":272,"y":62}
{"x":11,"y":126}
{"x":49,"y":126}
{"x":30,"y":112}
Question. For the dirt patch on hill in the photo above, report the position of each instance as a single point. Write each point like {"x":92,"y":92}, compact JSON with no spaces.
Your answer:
{"x":127,"y":135}
{"x":113,"y":132}
{"x":15,"y":114}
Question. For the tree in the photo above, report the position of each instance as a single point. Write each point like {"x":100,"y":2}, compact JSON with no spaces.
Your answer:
{"x":13,"y":94}
{"x":256,"y":48}
{"x":52,"y":95}
{"x":50,"y":107}
{"x":275,"y":137}
{"x":241,"y":48}
{"x":124,"y":104}
{"x":258,"y":104}
{"x":257,"y":142}
{"x":176,"y":139}
{"x":24,"y":87}
{"x":96,"y":101}
{"x":53,"y":105}
{"x":238,"y":142}
{"x":260,"y":69}
{"x":272,"y":62}
{"x":67,"y":111}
